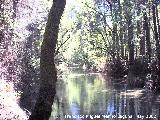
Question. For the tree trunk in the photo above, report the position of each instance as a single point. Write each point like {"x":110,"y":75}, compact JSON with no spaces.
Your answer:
{"x":157,"y":38}
{"x":155,"y":28}
{"x":147,"y":36}
{"x":2,"y":21}
{"x":130,"y":42}
{"x":48,"y":75}
{"x":121,"y":33}
{"x":142,"y":44}
{"x":157,"y":16}
{"x":156,"y":35}
{"x":142,"y":39}
{"x":114,"y":42}
{"x":15,"y":2}
{"x":131,"y":51}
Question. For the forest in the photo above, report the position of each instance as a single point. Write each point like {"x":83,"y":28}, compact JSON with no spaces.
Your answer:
{"x":63,"y":58}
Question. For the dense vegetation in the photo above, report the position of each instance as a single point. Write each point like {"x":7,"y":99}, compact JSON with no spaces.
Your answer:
{"x":124,"y":35}
{"x":120,"y":38}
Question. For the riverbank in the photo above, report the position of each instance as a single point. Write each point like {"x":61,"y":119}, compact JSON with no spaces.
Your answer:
{"x":9,"y":108}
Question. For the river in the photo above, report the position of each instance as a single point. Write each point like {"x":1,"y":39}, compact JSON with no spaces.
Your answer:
{"x":90,"y":96}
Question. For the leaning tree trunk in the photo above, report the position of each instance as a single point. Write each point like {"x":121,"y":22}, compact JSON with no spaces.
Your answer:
{"x":48,"y":75}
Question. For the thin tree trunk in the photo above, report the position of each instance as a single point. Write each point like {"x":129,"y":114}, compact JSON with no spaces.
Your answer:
{"x":158,"y":21}
{"x":158,"y":44}
{"x":142,"y":40}
{"x":147,"y":36}
{"x":15,"y":2}
{"x":130,"y":42}
{"x":156,"y":39}
{"x":114,"y":42}
{"x":142,"y":44}
{"x":131,"y":51}
{"x":48,"y":75}
{"x":155,"y":28}
{"x":121,"y":33}
{"x":2,"y":21}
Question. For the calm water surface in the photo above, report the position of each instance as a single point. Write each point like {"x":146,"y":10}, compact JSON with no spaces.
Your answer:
{"x":90,"y":96}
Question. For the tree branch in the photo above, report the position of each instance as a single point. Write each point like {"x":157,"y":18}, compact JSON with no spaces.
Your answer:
{"x":57,"y":51}
{"x":99,"y":14}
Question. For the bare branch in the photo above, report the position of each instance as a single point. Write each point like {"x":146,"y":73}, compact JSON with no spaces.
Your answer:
{"x":57,"y":51}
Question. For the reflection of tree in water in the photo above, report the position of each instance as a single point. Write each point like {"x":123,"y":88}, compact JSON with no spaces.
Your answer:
{"x":132,"y":108}
{"x":84,"y":96}
{"x":91,"y":79}
{"x":149,"y":105}
{"x":129,"y":105}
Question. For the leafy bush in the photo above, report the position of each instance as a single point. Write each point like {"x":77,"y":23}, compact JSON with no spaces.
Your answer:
{"x":140,"y":67}
{"x":118,"y":68}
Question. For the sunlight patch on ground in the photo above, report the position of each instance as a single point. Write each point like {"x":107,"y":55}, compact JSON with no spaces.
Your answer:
{"x":9,"y":108}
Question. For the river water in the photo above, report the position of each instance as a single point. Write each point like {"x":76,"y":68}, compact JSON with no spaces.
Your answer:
{"x":90,"y":96}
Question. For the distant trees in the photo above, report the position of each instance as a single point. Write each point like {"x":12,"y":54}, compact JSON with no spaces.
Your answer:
{"x":126,"y":31}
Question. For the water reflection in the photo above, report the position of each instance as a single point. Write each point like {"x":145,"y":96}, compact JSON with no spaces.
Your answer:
{"x":95,"y":98}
